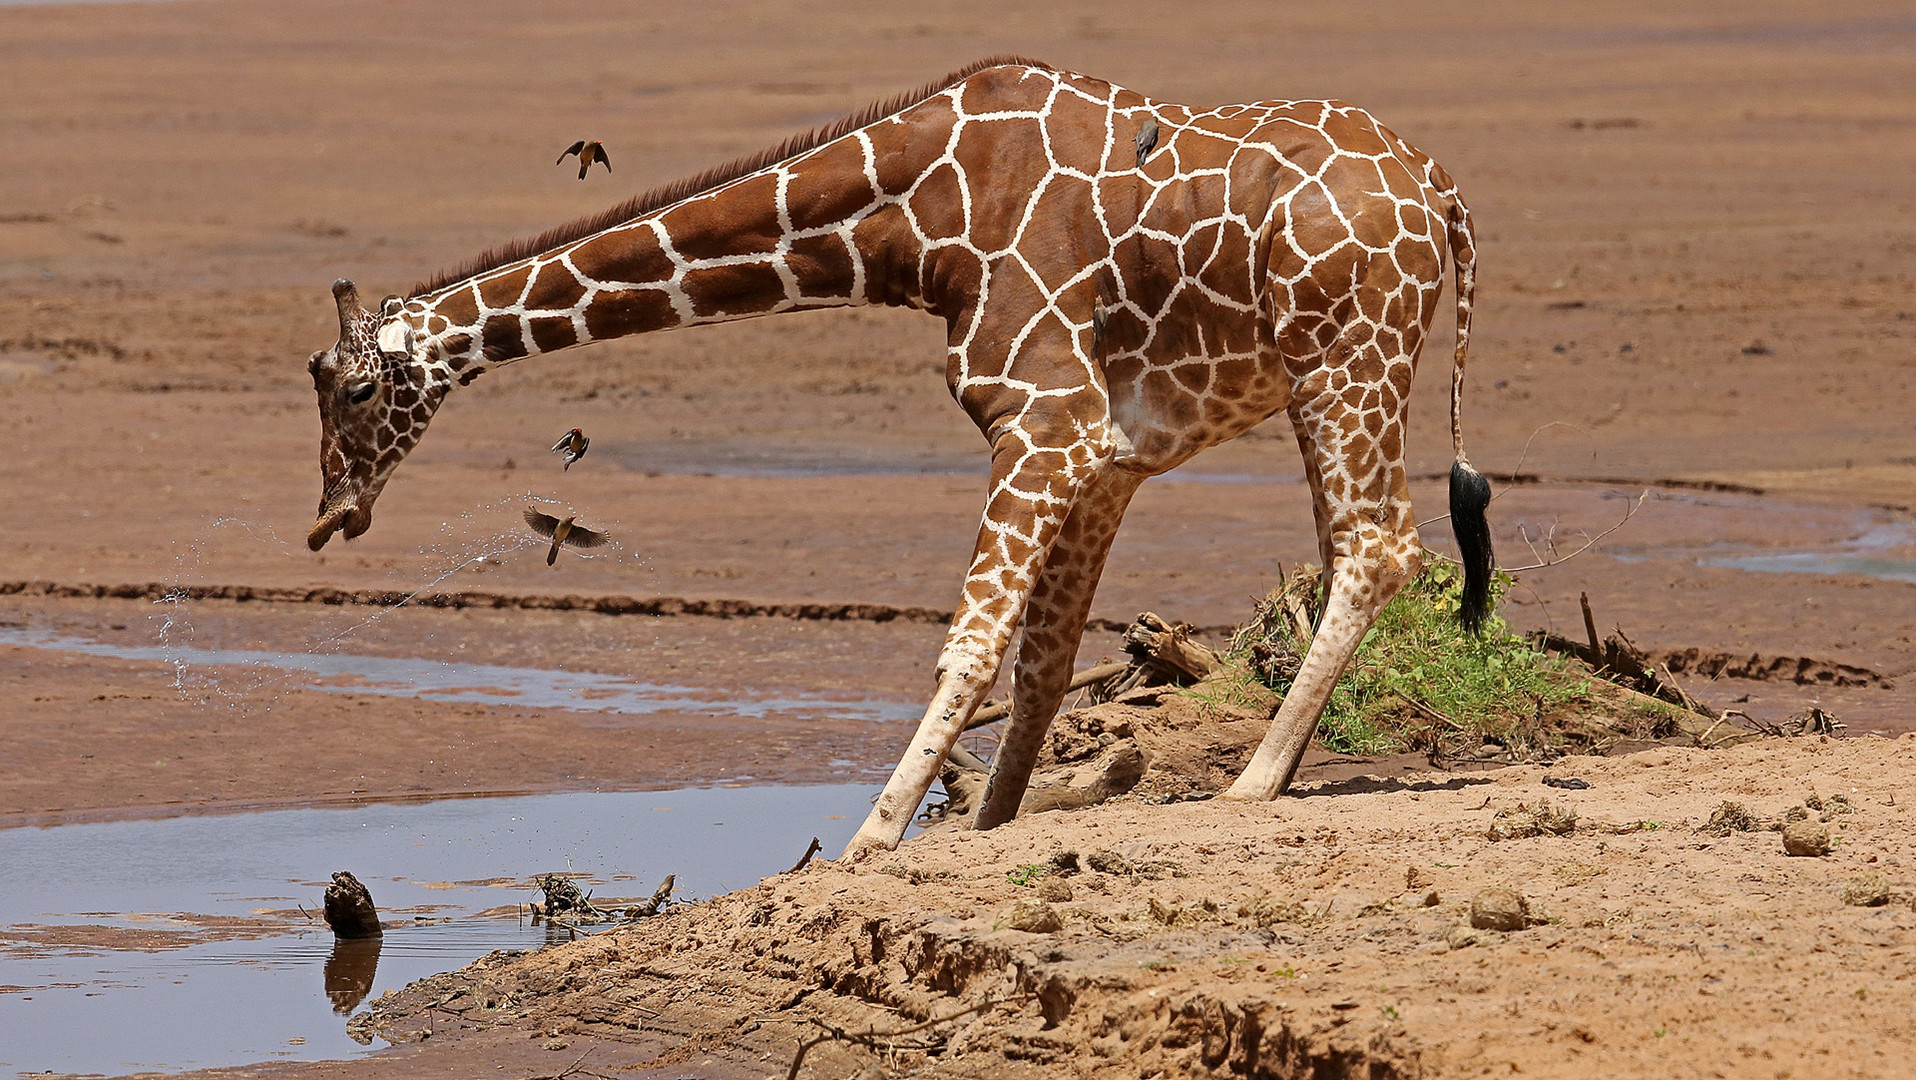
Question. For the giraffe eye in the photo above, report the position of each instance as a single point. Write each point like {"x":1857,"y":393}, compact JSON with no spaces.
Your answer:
{"x":361,"y":393}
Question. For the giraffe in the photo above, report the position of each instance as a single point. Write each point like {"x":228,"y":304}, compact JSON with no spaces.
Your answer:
{"x":1123,"y":281}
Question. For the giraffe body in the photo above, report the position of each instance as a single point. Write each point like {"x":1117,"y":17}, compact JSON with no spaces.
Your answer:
{"x":1124,"y":283}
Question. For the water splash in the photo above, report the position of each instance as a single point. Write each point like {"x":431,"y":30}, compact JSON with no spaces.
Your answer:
{"x":472,"y":543}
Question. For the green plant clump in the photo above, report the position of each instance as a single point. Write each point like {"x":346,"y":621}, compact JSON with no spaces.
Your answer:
{"x":1418,"y":681}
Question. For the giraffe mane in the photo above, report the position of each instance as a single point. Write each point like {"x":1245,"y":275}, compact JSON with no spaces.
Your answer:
{"x":665,"y":195}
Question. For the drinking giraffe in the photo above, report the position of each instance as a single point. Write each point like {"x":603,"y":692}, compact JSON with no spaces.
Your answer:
{"x":1123,"y":282}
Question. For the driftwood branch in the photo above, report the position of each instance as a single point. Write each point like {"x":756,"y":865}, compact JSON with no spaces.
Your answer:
{"x":993,"y":711}
{"x":349,"y":908}
{"x":806,"y":859}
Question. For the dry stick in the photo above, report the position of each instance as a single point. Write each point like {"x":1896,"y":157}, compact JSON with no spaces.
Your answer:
{"x":871,"y":1039}
{"x":807,"y":859}
{"x":1588,"y":544}
{"x":1516,"y":470}
{"x":993,"y":711}
{"x":1590,"y":626}
{"x":1427,"y":710}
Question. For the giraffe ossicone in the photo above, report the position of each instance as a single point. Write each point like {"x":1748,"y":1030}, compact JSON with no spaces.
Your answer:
{"x":1124,"y":282}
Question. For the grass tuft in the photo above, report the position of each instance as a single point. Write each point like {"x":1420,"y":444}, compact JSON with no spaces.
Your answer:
{"x":1418,"y":681}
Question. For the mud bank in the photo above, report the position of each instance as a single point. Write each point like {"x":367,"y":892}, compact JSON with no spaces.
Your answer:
{"x":1327,"y":935}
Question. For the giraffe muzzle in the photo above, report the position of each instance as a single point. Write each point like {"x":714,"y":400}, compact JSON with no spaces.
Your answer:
{"x":355,"y":518}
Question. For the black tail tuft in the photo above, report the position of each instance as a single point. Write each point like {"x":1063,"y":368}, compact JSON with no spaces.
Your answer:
{"x":1469,"y":499}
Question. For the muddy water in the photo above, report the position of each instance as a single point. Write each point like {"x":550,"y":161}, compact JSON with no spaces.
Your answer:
{"x":179,"y":943}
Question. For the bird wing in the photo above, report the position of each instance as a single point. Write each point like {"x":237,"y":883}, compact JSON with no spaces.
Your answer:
{"x":581,"y":537}
{"x":564,"y":441}
{"x":584,"y":441}
{"x":543,"y":524}
{"x":571,"y":150}
{"x":603,"y":157}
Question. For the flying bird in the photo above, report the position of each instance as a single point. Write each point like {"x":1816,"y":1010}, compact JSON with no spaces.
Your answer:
{"x":563,"y":531}
{"x":590,"y":154}
{"x":1147,"y":140}
{"x":572,"y":445}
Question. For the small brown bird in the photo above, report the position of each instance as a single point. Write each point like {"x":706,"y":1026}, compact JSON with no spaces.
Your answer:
{"x":590,"y":154}
{"x":572,"y":445}
{"x":1147,"y":140}
{"x":563,"y":531}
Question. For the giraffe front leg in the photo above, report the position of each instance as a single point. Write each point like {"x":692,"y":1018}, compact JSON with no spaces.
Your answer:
{"x":1032,"y":493}
{"x":1053,"y":626}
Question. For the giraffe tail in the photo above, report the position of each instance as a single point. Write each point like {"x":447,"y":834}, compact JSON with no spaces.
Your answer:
{"x":1469,"y":491}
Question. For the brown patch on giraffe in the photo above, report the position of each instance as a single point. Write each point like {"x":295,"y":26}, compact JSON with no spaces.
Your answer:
{"x":502,"y":338}
{"x":454,"y":347}
{"x":506,"y":289}
{"x":699,"y":231}
{"x":1070,"y":117}
{"x":459,"y":307}
{"x":613,"y":311}
{"x":553,"y":333}
{"x":555,"y":288}
{"x":995,"y":221}
{"x":733,"y":290}
{"x":935,"y":204}
{"x":822,"y":188}
{"x":820,"y":264}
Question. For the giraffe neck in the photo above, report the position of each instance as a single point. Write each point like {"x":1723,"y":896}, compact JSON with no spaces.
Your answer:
{"x":816,"y":230}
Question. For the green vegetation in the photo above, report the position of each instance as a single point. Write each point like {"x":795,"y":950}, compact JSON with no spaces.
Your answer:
{"x":1418,"y":681}
{"x":1027,"y":875}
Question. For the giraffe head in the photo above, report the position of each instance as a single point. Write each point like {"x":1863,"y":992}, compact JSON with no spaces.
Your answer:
{"x":375,"y":398}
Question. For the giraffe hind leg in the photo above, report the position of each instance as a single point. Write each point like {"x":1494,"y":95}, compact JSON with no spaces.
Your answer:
{"x":1373,"y":551}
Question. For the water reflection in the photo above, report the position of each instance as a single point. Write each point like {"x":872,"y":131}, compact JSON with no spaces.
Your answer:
{"x":223,"y":970}
{"x":350,"y":971}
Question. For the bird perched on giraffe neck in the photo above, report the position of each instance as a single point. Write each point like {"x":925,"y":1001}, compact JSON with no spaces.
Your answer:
{"x":590,"y":154}
{"x":565,"y":531}
{"x":572,"y":444}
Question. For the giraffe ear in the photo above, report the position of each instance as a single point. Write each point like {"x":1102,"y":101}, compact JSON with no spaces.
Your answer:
{"x":396,"y":337}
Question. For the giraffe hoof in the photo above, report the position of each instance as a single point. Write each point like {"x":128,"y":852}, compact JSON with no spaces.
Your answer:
{"x":864,"y":847}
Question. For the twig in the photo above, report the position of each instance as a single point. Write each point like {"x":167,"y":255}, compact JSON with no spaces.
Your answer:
{"x":806,"y":859}
{"x":1515,"y":471}
{"x":871,"y":1039}
{"x":1590,"y":624}
{"x":1588,"y":544}
{"x":993,"y":711}
{"x":1427,"y":710}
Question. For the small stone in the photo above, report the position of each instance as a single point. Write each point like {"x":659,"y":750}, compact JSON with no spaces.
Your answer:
{"x":1807,"y":838}
{"x":1498,"y":909}
{"x":1415,"y":879}
{"x":1731,"y":817}
{"x":1463,"y":937}
{"x":1034,"y":916}
{"x":1523,"y":822}
{"x":1431,"y":899}
{"x":1867,"y":890}
{"x":556,"y":1044}
{"x":1055,"y":890}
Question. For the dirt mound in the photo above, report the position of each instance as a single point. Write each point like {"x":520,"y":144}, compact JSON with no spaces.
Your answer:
{"x":1327,"y":935}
